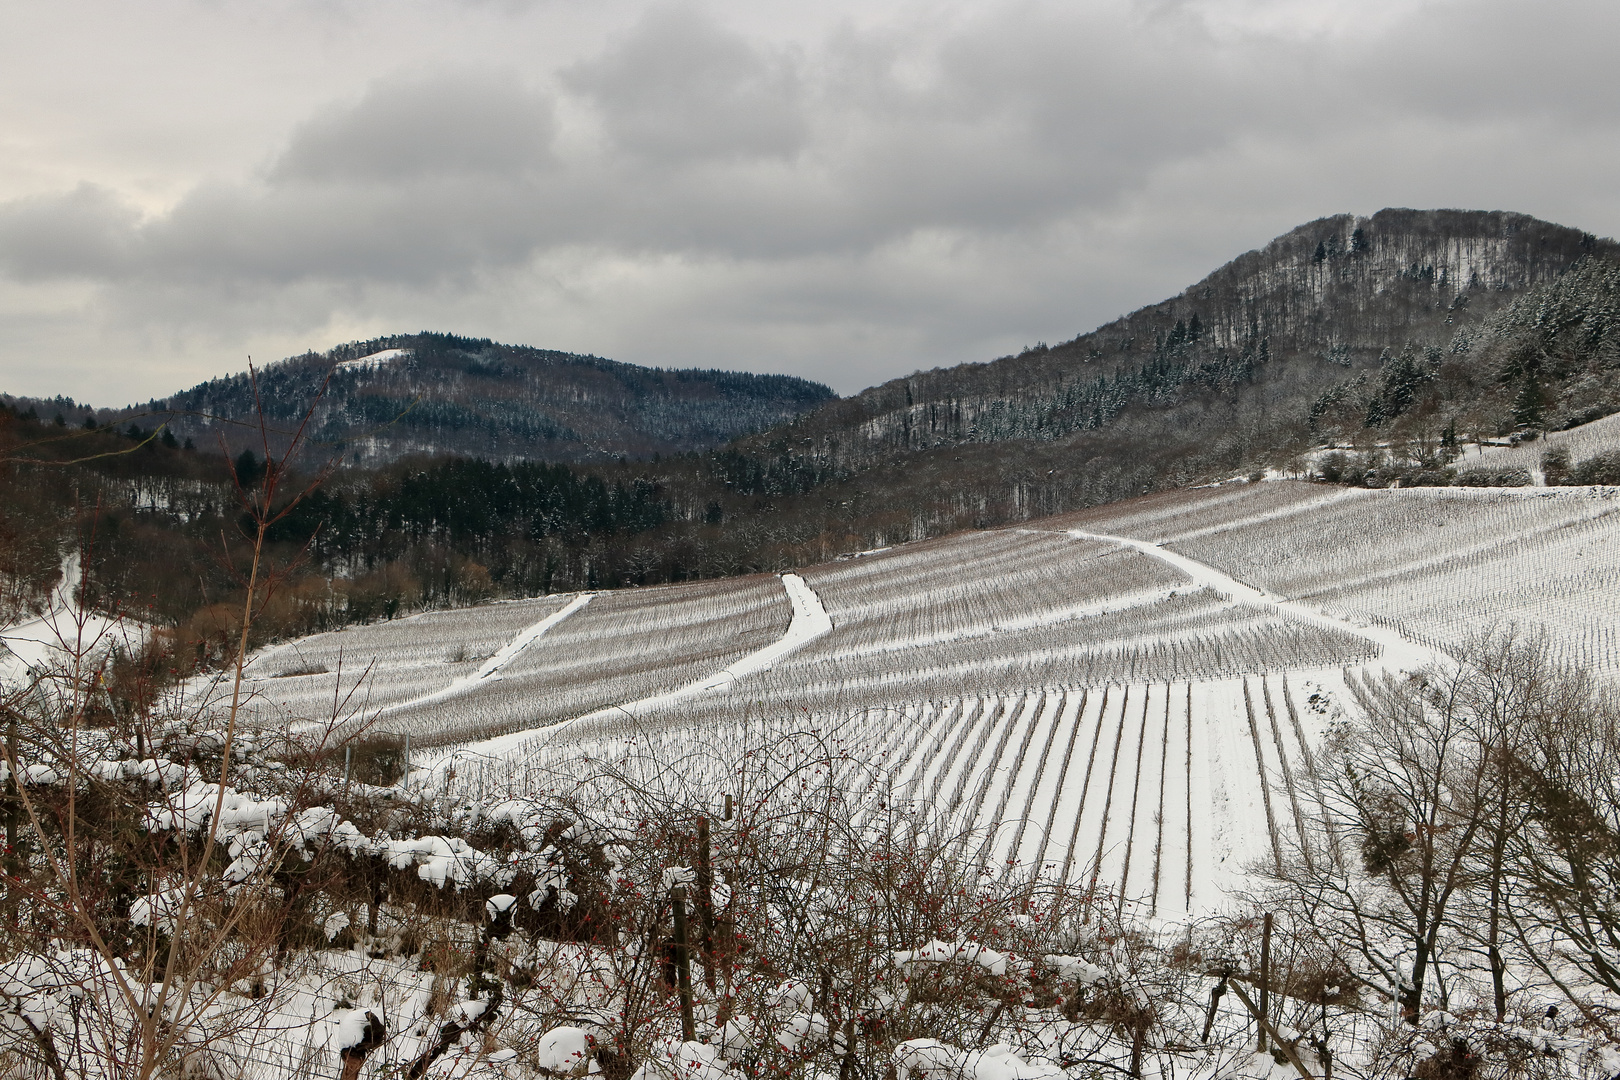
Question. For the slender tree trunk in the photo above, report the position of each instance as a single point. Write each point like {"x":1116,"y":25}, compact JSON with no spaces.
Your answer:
{"x":1411,"y":995}
{"x":13,"y":861}
{"x":1493,"y":952}
{"x":1265,"y":981}
{"x":683,"y":963}
{"x":1138,"y":1037}
{"x":846,"y":1063}
{"x":1494,"y":924}
{"x":703,"y":889}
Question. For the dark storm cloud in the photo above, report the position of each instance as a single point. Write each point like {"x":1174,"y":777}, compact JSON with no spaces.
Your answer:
{"x":884,"y":196}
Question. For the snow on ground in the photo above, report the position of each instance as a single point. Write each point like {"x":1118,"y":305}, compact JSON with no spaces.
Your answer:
{"x":62,"y":632}
{"x":1601,"y":436}
{"x":1129,"y":698}
{"x":1156,"y":798}
{"x":626,"y":646}
{"x":1167,"y":790}
{"x":373,"y":360}
{"x":1598,"y":437}
{"x":810,"y":621}
{"x":1440,"y":565}
{"x":1396,"y":648}
{"x":361,"y":669}
{"x":491,"y":668}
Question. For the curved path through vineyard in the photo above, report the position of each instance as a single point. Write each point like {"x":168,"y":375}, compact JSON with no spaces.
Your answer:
{"x":491,"y":668}
{"x":1397,"y":649}
{"x":810,"y":620}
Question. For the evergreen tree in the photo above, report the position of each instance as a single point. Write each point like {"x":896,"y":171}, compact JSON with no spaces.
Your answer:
{"x":1398,"y":383}
{"x":1530,"y":403}
{"x":1448,"y":443}
{"x":248,"y":469}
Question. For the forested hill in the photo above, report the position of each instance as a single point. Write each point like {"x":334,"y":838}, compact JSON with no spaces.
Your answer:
{"x":1404,"y":335}
{"x":1233,"y":368}
{"x":437,"y":393}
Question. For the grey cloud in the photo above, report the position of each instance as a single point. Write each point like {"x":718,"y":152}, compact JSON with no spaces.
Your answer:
{"x":726,"y":149}
{"x":1500,"y":59}
{"x":419,"y":179}
{"x":418,"y":232}
{"x":227,"y":235}
{"x":85,"y":232}
{"x":679,"y":86}
{"x":403,"y":129}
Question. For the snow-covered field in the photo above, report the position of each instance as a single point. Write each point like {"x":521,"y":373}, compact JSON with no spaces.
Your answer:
{"x":447,"y":675}
{"x":1156,"y":795}
{"x":384,"y":665}
{"x":1599,"y":437}
{"x":1121,"y":710}
{"x":1442,"y":564}
{"x":1113,"y":697}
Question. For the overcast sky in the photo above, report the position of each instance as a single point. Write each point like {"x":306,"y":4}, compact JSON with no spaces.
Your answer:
{"x":845,"y":191}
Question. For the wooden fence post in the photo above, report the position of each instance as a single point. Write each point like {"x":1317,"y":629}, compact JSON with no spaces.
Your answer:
{"x":683,"y":964}
{"x":705,"y":902}
{"x":1138,"y":1037}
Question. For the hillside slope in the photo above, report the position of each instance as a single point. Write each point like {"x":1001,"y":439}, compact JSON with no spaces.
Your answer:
{"x":1111,"y":696}
{"x":1407,"y":336}
{"x":438,"y":393}
{"x":1324,"y":331}
{"x":1322,"y":300}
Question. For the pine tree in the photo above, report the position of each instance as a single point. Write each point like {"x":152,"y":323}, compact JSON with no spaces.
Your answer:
{"x":1529,"y":405}
{"x":247,"y":469}
{"x":1448,"y":443}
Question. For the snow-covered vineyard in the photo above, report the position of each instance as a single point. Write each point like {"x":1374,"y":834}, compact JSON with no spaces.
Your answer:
{"x":1157,"y":794}
{"x":999,"y":806}
{"x":1241,"y":579}
{"x":966,"y":670}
